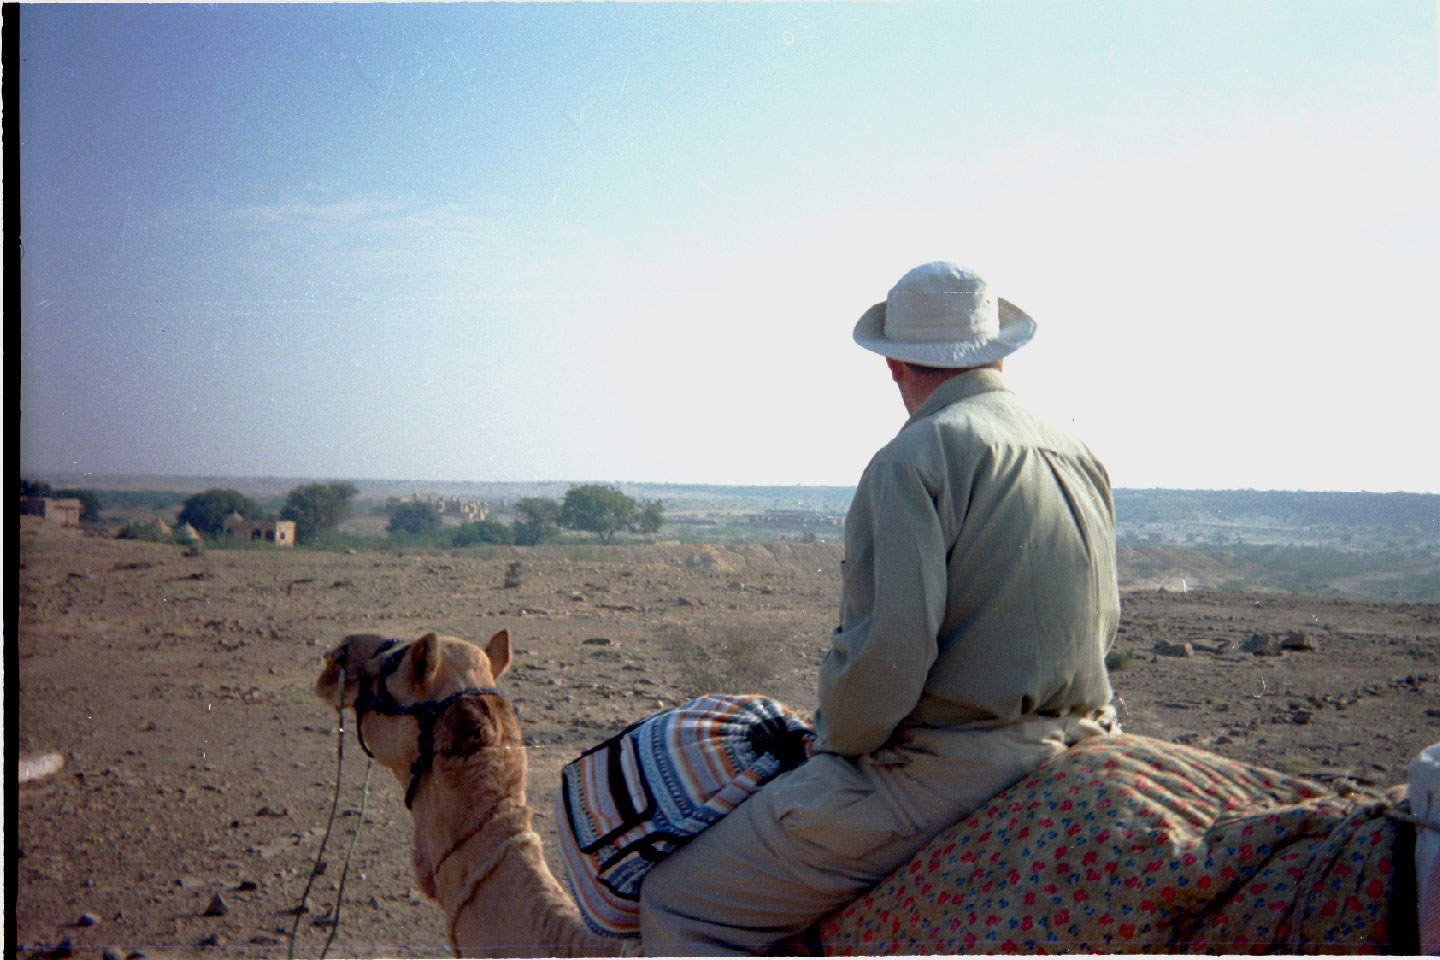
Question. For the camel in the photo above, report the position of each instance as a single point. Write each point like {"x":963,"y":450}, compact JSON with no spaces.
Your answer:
{"x":1125,"y":844}
{"x":476,"y":851}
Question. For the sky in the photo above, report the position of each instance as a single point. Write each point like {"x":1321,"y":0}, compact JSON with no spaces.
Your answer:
{"x":628,"y":242}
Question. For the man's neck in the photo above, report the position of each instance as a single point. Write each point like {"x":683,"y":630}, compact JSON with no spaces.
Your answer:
{"x":918,"y":384}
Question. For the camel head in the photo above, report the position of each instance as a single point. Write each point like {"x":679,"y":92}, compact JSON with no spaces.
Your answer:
{"x":433,"y":697}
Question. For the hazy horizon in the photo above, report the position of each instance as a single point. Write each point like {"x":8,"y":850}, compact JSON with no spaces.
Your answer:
{"x":422,"y":485}
{"x":523,"y":241}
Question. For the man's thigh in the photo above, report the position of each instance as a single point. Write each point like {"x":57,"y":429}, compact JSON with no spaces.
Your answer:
{"x":815,"y":838}
{"x":809,"y":842}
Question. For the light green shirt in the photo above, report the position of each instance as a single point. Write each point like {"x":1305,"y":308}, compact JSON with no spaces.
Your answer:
{"x":979,"y":583}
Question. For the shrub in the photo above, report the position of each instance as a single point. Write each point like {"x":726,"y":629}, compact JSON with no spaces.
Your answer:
{"x":718,"y":659}
{"x":482,"y":531}
{"x":513,"y":574}
{"x":136,"y":530}
{"x":1117,"y":660}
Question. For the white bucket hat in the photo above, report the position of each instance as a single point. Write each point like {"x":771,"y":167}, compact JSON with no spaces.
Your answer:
{"x":943,"y":315}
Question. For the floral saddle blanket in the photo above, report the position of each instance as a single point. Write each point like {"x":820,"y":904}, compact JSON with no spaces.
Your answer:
{"x":1131,"y":845}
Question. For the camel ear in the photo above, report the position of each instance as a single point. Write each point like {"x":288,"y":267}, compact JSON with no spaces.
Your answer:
{"x":498,"y":651}
{"x":425,"y":660}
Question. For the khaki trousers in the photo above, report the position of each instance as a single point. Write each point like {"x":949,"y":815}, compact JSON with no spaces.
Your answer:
{"x":815,"y":838}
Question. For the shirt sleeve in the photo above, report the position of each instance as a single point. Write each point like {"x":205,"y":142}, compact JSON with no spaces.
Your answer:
{"x":892,"y":606}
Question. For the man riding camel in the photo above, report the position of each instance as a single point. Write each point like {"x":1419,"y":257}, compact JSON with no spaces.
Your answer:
{"x":979,"y":600}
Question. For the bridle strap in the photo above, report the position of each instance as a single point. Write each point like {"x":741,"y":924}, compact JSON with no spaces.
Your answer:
{"x":375,"y":697}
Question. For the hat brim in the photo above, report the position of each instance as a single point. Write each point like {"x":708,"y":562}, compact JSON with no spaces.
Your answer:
{"x":1016,"y":329}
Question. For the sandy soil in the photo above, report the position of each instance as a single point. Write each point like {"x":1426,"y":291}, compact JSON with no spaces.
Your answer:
{"x":199,"y":770}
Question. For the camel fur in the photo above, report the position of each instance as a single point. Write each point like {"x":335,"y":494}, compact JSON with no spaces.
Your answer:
{"x":476,"y":851}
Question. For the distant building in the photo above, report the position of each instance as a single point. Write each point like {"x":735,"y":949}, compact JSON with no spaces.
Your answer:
{"x":279,"y":532}
{"x":795,"y":518}
{"x":64,"y":510}
{"x":470,"y":510}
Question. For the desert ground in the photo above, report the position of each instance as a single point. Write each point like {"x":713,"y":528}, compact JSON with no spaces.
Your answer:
{"x":199,"y":769}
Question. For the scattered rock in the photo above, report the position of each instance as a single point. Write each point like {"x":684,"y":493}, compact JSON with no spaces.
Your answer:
{"x":1297,"y":640}
{"x":87,"y":920}
{"x":211,"y":941}
{"x":269,"y":811}
{"x":246,"y":886}
{"x":598,"y":642}
{"x":216,"y":908}
{"x":1263,"y":645}
{"x":1167,"y":649}
{"x":110,"y":953}
{"x":267,"y":850}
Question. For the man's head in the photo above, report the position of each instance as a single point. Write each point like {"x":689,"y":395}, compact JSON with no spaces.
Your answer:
{"x":943,"y":316}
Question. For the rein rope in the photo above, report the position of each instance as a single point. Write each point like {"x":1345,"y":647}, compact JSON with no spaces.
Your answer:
{"x":425,"y":714}
{"x":479,"y":874}
{"x":315,"y":871}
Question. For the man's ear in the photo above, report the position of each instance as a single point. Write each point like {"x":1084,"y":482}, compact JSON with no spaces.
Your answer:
{"x":498,"y":650}
{"x":425,"y":660}
{"x":897,"y":369}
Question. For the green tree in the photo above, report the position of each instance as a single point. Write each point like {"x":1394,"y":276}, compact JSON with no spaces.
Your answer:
{"x":598,"y":509}
{"x":421,"y":519}
{"x":89,"y":502}
{"x":536,"y":520}
{"x":317,"y":508}
{"x":208,"y":511}
{"x":651,"y":518}
{"x":34,"y":488}
{"x":482,"y":531}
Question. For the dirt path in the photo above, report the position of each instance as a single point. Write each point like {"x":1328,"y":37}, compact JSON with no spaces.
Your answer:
{"x":199,"y":770}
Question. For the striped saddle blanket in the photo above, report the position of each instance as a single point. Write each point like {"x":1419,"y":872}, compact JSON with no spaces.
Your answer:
{"x":631,"y":801}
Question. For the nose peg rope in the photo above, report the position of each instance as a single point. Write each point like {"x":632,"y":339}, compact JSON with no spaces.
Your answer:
{"x":345,"y":870}
{"x":329,"y":826}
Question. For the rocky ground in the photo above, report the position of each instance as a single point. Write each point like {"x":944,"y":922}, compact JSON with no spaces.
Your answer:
{"x":199,"y":770}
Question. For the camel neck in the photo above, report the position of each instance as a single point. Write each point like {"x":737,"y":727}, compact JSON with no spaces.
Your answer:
{"x":489,"y":874}
{"x":520,"y":909}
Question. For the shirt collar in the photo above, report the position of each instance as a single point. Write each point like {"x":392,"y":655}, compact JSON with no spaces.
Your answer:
{"x":966,"y":385}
